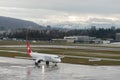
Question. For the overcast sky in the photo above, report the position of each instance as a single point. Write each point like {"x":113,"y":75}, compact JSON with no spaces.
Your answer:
{"x":60,"y":11}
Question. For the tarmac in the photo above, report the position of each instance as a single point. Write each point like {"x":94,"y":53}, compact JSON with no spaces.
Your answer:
{"x":22,"y":69}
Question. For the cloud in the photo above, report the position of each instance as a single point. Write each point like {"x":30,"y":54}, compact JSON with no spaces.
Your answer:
{"x":45,"y":16}
{"x":50,"y":12}
{"x":71,"y":6}
{"x":25,"y":13}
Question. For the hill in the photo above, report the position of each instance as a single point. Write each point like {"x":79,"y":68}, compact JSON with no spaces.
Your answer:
{"x":12,"y":23}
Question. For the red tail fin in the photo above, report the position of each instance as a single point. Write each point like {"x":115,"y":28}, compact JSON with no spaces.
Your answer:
{"x":28,"y":48}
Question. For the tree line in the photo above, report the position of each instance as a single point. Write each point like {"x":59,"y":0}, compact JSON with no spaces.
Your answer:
{"x":48,"y":34}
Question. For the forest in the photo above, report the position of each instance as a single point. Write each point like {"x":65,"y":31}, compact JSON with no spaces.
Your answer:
{"x":48,"y":34}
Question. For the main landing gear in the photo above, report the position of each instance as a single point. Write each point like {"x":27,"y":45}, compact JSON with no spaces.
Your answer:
{"x":37,"y":63}
{"x":47,"y":63}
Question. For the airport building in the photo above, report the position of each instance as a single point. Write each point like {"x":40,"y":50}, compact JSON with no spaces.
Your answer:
{"x":117,"y":37}
{"x":82,"y":39}
{"x":1,"y":32}
{"x":100,"y":41}
{"x":71,"y":38}
{"x":97,"y":41}
{"x":85,"y":39}
{"x":59,"y":40}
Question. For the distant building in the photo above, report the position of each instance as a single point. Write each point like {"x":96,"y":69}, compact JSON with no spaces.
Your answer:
{"x":97,"y":41}
{"x":117,"y":37}
{"x":71,"y":38}
{"x":93,"y":27}
{"x":113,"y":27}
{"x":58,"y":40}
{"x":82,"y":39}
{"x":1,"y":32}
{"x":48,"y":27}
{"x":106,"y":41}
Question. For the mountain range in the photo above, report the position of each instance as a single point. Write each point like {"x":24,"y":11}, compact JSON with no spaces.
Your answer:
{"x":7,"y":23}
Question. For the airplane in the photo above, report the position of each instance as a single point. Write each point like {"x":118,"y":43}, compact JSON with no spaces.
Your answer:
{"x":38,"y":57}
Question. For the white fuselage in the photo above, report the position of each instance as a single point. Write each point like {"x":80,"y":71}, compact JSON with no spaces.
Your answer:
{"x":45,"y":57}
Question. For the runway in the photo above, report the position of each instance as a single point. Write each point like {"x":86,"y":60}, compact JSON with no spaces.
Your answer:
{"x":21,"y":69}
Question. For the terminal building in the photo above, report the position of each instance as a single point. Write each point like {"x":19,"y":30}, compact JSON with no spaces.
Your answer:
{"x":117,"y":37}
{"x":85,"y":39}
{"x":82,"y":39}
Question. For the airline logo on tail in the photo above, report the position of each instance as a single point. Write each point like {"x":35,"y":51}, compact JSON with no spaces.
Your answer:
{"x":28,"y":49}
